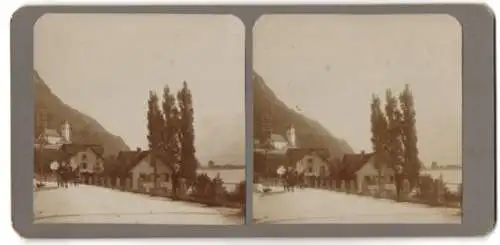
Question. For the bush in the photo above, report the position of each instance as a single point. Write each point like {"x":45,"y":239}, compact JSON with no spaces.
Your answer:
{"x":200,"y":186}
{"x":238,"y":195}
{"x":426,"y":187}
{"x":429,"y":195}
{"x":453,"y":197}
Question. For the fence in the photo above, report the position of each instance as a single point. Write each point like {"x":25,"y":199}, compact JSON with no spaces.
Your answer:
{"x":211,"y":193}
{"x":429,"y":191}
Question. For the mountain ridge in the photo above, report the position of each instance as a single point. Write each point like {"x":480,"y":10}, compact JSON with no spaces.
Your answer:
{"x":84,"y":129}
{"x":310,"y":133}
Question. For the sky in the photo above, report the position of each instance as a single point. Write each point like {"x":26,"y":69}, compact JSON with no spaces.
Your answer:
{"x":330,"y":65}
{"x":105,"y":64}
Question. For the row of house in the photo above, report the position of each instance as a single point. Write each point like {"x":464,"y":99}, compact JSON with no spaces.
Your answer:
{"x":133,"y":168}
{"x":317,"y":162}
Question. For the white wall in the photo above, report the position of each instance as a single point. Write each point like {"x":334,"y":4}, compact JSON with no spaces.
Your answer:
{"x":369,"y":170}
{"x":280,"y":144}
{"x":53,"y":139}
{"x":92,"y":159}
{"x":144,"y":167}
{"x":316,"y":164}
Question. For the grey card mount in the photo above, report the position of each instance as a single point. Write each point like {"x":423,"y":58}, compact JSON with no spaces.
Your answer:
{"x":253,"y":121}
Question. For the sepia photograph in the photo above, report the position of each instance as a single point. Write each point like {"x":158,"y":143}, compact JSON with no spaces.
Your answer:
{"x":357,"y":119}
{"x":139,"y":119}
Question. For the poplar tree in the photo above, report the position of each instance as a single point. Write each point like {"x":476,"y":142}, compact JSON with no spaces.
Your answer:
{"x":155,"y":129}
{"x":393,"y":141}
{"x":170,"y":127}
{"x":409,"y":133}
{"x":379,"y":131}
{"x":187,"y":136}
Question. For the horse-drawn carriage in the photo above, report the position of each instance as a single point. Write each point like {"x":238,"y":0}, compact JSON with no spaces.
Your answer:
{"x":65,"y":174}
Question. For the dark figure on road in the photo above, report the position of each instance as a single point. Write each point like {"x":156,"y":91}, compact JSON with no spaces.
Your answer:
{"x":398,"y":181}
{"x":66,"y":173}
{"x":58,"y":177}
{"x":290,"y":179}
{"x":285,"y":179}
{"x":62,"y":176}
{"x":301,"y":180}
{"x":75,"y":177}
{"x":175,"y":181}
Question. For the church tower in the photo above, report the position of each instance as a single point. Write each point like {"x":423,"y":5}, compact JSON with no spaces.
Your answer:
{"x":291,"y":137}
{"x":66,"y":132}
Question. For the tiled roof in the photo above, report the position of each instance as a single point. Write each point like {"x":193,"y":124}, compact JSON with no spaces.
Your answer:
{"x":296,"y":154}
{"x":277,"y":137}
{"x":72,"y":149}
{"x":51,"y":132}
{"x":351,"y":163}
{"x":291,"y":155}
{"x":127,"y":160}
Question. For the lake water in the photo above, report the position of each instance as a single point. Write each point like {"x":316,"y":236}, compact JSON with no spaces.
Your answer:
{"x":231,"y":177}
{"x":452,"y":177}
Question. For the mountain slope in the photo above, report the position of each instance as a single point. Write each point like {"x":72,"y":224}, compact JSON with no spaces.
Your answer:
{"x":84,"y":129}
{"x":224,"y":142}
{"x":309,"y":133}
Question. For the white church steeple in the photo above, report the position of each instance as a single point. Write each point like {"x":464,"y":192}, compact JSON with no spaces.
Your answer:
{"x":291,"y":136}
{"x":66,"y":132}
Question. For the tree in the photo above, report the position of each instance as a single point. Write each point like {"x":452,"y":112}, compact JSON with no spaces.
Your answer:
{"x":409,"y":133}
{"x":211,"y":164}
{"x":379,"y":131}
{"x":155,"y":129}
{"x":40,"y":121}
{"x":188,"y":158}
{"x":393,"y":141}
{"x":174,"y":146}
{"x":434,"y":165}
{"x":266,"y":129}
{"x":170,"y":131}
{"x":265,"y":141}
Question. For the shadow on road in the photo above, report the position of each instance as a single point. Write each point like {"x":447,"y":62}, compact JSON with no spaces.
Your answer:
{"x":348,"y":218}
{"x":48,"y":188}
{"x":119,"y":214}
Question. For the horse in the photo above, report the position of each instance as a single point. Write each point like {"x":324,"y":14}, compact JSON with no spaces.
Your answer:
{"x":290,"y":179}
{"x":75,"y":177}
{"x":65,"y":176}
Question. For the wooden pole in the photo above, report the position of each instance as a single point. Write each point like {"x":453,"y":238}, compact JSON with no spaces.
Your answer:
{"x":42,"y":145}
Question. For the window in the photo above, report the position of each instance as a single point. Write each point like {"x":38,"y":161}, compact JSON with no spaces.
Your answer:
{"x":84,"y":157}
{"x":167,"y":177}
{"x":391,"y":179}
{"x":310,"y":169}
{"x":142,"y":176}
{"x":84,"y":165}
{"x":310,"y":160}
{"x":370,"y":180}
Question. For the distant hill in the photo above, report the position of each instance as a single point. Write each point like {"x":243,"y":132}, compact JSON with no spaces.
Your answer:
{"x":223,"y":141}
{"x":84,"y":129}
{"x":309,"y":133}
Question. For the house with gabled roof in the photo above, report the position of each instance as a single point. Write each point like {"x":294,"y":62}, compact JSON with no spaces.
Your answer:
{"x":87,"y":159}
{"x":136,"y":166}
{"x":270,"y":155}
{"x":361,"y":168}
{"x":312,"y":162}
{"x":53,"y":138}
